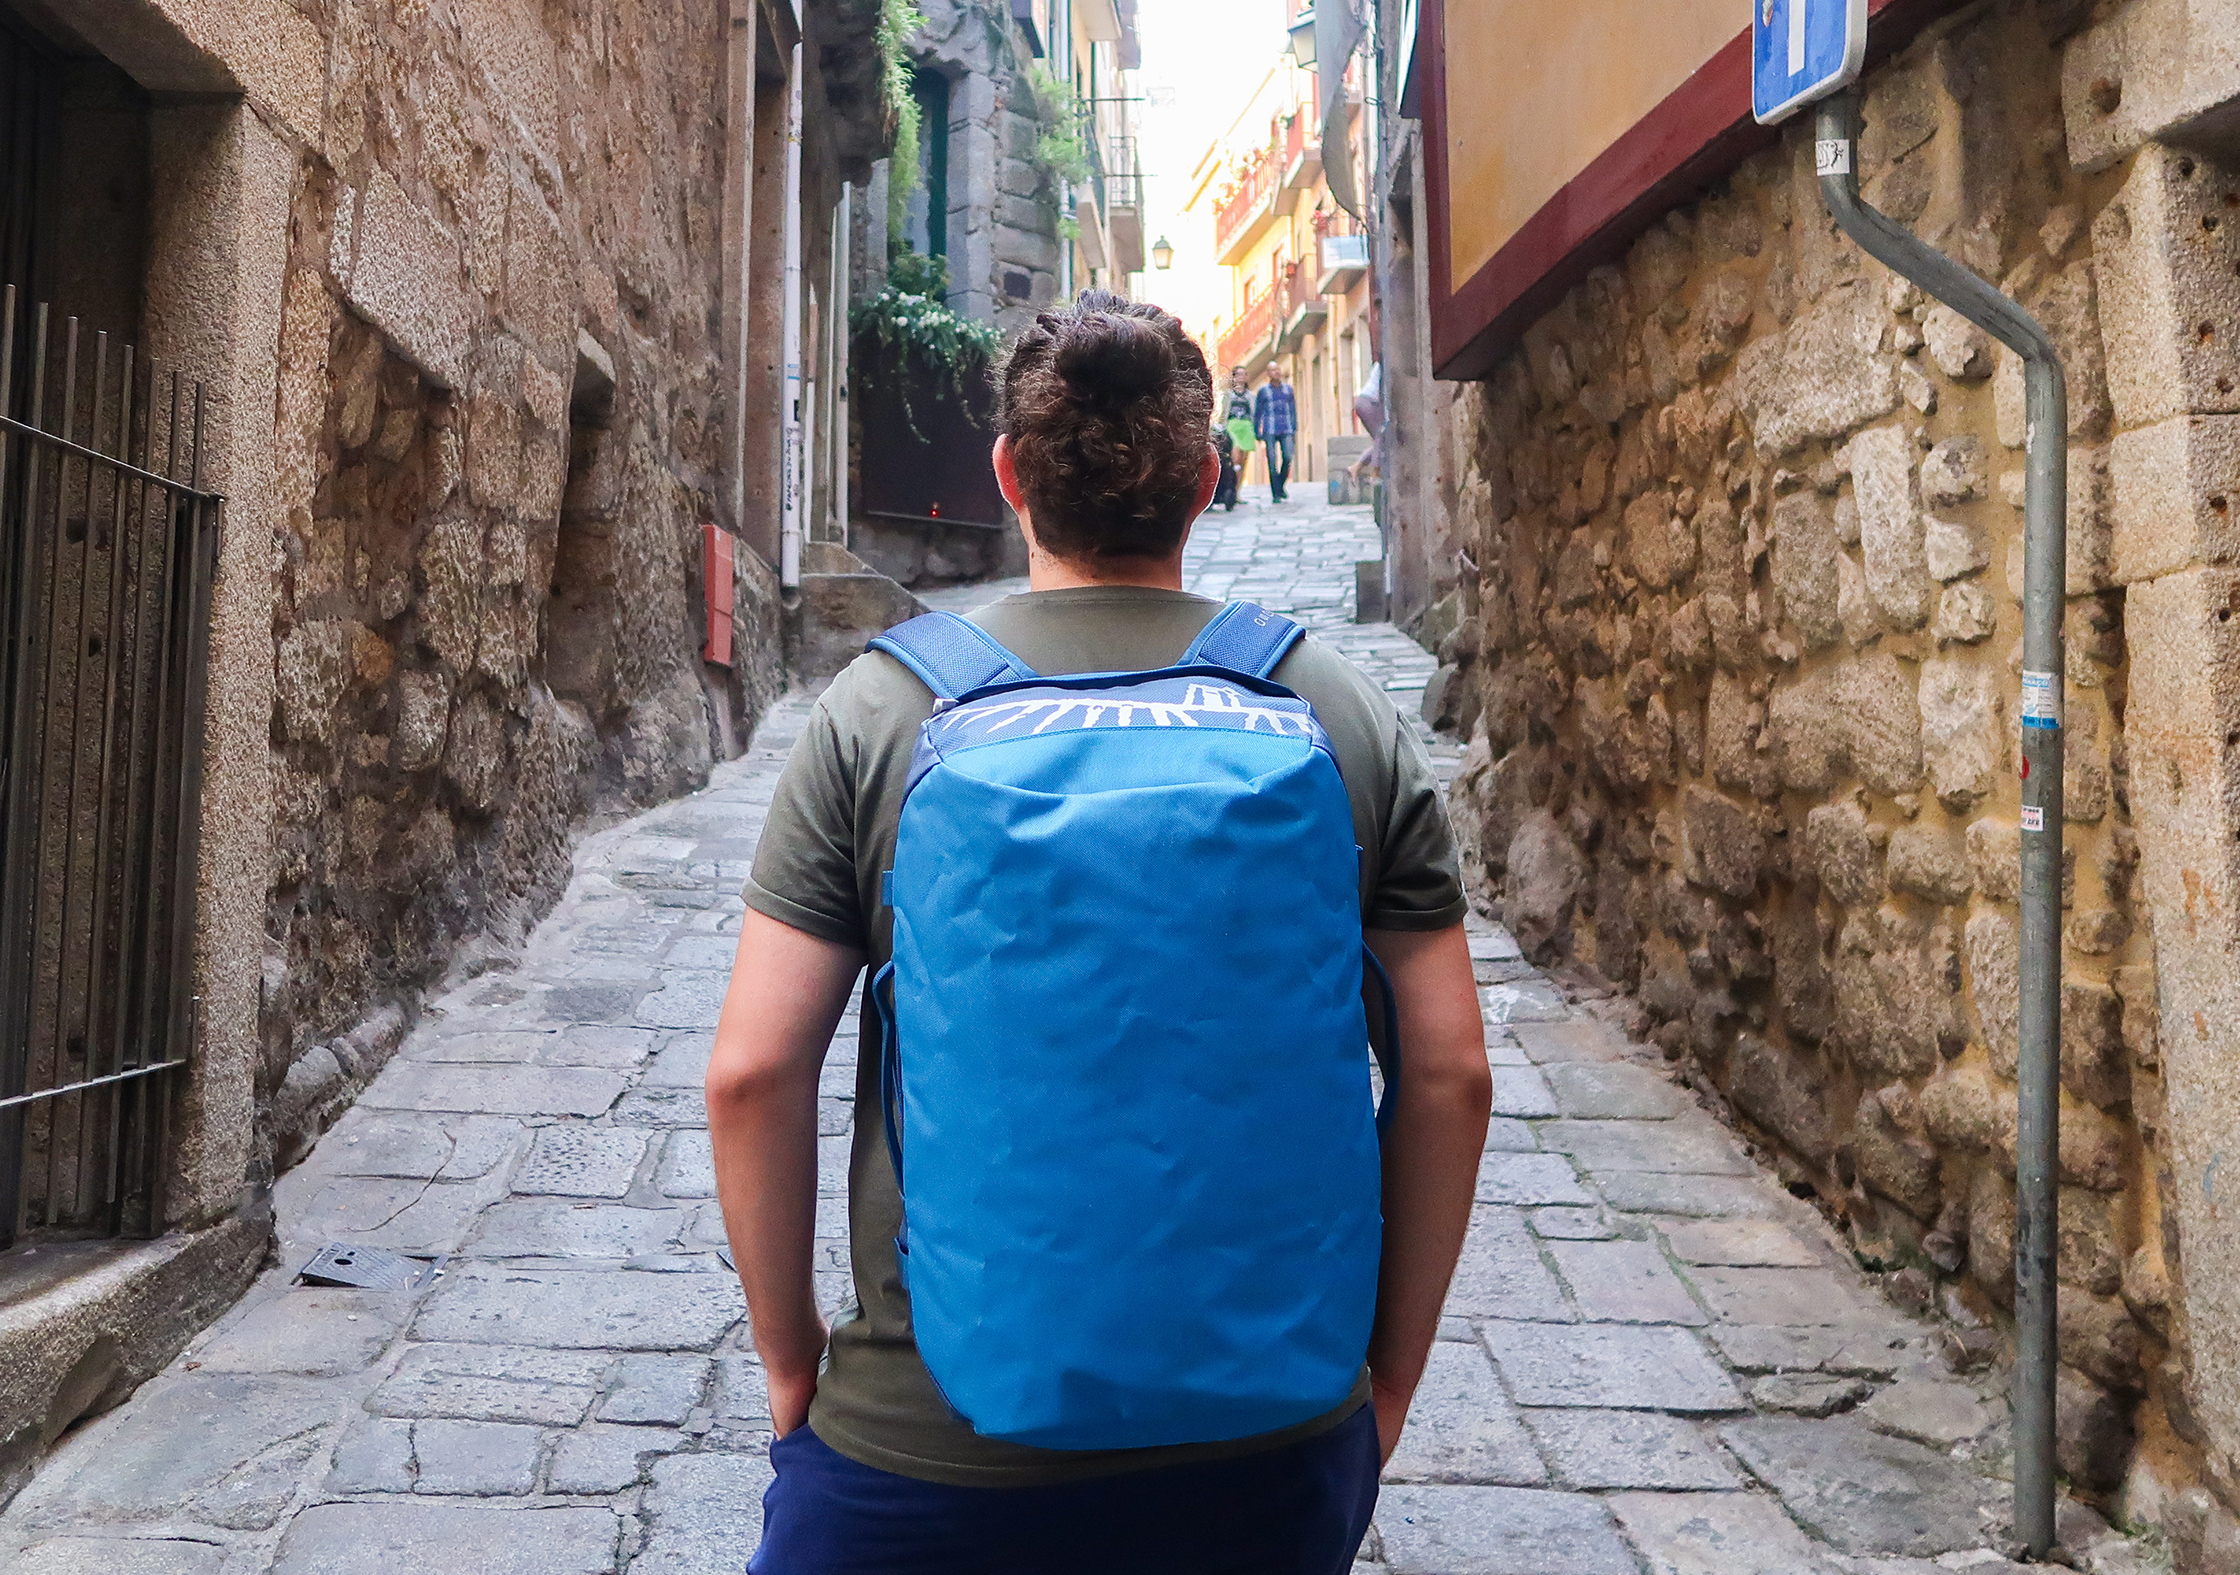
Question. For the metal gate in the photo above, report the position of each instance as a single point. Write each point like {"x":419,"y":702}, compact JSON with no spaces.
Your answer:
{"x":108,"y":547}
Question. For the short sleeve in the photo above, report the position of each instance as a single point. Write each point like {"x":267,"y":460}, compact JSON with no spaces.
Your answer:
{"x":1419,"y":886}
{"x":805,"y":864}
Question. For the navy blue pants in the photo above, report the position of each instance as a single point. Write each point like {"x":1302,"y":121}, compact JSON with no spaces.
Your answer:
{"x":1279,"y":464}
{"x":1299,"y":1510}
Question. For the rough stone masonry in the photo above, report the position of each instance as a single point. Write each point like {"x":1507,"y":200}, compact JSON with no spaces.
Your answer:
{"x":1734,"y":638}
{"x":1654,"y":1358}
{"x":498,"y":432}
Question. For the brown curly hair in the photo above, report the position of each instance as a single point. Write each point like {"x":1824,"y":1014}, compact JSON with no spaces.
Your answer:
{"x":1107,"y":403}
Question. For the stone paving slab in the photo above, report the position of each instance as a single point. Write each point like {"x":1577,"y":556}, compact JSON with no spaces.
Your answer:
{"x":599,"y":1459}
{"x":1501,"y":1273}
{"x":582,"y":1310}
{"x":118,"y":1556}
{"x":1716,"y":1534}
{"x":1630,"y":1449}
{"x":1620,"y":1091}
{"x":384,"y":1538}
{"x":1652,"y":1368}
{"x":493,"y":1383}
{"x":1636,"y":1305}
{"x":560,"y":1228}
{"x":1865,"y":1492}
{"x":1624,"y":1282}
{"x":1462,"y":1428}
{"x":1499,"y":1531}
{"x":321,"y":1332}
{"x":417,"y":1217}
{"x":224,"y":1450}
{"x":510,"y":1090}
{"x":1508,"y":1177}
{"x":1520,"y":1092}
{"x":370,"y":1142}
{"x":703,"y":1512}
{"x":1741,"y":1244}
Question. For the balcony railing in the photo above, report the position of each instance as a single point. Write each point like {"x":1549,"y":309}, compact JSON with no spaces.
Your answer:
{"x":1124,"y":189}
{"x":1124,"y":174}
{"x":1304,"y":310}
{"x":1344,"y":259}
{"x":1302,"y":154}
{"x":1246,"y":343}
{"x":1243,"y":216}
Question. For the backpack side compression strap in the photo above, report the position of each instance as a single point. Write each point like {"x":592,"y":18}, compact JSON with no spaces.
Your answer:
{"x":953,"y":655}
{"x":1244,"y":639}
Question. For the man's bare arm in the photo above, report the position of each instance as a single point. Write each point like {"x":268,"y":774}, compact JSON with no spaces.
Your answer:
{"x":787,"y":992}
{"x":1431,"y":1151}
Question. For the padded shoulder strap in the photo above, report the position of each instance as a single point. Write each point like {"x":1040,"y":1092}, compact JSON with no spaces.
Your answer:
{"x":1244,"y":639}
{"x":953,"y":655}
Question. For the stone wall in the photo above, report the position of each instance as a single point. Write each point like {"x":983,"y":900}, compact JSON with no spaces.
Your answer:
{"x":500,"y":428}
{"x":1003,"y":202}
{"x":1736,"y":645}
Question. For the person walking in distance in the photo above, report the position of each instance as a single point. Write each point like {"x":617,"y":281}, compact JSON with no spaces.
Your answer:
{"x":1225,"y":449}
{"x":1142,"y":882}
{"x":1275,"y":419}
{"x":1236,"y":418}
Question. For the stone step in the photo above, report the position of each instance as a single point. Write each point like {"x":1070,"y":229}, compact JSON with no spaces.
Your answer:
{"x":837,"y":609}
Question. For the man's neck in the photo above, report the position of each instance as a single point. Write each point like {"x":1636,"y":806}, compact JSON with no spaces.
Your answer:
{"x":1045,"y":573}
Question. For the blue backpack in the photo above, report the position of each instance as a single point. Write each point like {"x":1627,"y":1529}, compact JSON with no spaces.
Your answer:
{"x":1124,"y":1047}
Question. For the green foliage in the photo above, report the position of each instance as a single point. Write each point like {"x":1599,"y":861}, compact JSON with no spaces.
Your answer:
{"x":1060,"y":148}
{"x":912,"y":322}
{"x":914,"y":273}
{"x":899,"y":21}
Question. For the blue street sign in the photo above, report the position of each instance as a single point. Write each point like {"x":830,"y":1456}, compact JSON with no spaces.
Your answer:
{"x":1801,"y":51}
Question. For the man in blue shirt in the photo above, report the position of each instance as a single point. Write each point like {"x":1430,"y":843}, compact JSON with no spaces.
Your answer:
{"x":1275,"y":420}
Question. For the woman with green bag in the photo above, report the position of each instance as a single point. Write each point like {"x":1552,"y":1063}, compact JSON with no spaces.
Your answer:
{"x":1236,"y":415}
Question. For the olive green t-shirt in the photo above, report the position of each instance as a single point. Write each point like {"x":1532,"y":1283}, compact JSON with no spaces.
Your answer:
{"x":830,"y":835}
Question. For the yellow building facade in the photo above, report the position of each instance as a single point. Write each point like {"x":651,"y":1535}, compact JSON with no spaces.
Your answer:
{"x":1297,"y":264}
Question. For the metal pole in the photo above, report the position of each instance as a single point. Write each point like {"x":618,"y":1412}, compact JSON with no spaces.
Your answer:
{"x":843,"y":280}
{"x":791,"y":474}
{"x":2045,"y":577}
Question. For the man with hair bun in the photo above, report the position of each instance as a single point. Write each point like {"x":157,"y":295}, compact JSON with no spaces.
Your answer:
{"x":894,"y":1455}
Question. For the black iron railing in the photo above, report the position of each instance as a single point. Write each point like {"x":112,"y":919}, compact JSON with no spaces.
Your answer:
{"x":108,"y":548}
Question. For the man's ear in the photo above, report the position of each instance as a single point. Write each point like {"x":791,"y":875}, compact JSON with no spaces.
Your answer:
{"x":1007,"y":474}
{"x":1209,"y":482}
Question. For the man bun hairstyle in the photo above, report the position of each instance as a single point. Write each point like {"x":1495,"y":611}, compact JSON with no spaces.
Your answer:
{"x":1107,"y":403}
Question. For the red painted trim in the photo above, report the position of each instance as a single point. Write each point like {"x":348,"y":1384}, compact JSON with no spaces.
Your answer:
{"x":717,"y":566}
{"x":1700,"y":131}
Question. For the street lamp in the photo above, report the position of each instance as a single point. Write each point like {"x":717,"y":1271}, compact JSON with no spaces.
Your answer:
{"x":1301,"y":47}
{"x":1162,"y":254}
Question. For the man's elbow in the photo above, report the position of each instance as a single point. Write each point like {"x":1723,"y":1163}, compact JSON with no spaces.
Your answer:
{"x":1461,"y":1086}
{"x":741,"y":1082}
{"x":1476,"y":1093}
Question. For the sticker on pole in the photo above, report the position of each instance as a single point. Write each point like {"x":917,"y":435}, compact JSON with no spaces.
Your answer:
{"x":2041,"y":699}
{"x":1801,"y":51}
{"x":2033,"y":817}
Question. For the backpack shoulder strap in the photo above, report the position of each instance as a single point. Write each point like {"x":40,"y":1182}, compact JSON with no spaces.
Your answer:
{"x":953,"y":655}
{"x":1244,"y":639}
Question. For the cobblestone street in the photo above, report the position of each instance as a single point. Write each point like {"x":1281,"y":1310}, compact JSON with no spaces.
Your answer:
{"x":1655,"y":1358}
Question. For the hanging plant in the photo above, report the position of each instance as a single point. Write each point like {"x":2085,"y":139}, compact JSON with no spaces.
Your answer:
{"x":1060,"y":149}
{"x":913,"y":322}
{"x":899,"y":21}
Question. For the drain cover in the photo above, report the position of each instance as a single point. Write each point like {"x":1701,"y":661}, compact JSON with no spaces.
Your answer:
{"x":368,"y":1268}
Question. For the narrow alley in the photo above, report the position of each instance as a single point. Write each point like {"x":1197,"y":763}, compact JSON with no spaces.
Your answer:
{"x":1777,"y":456}
{"x":1655,"y":1359}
